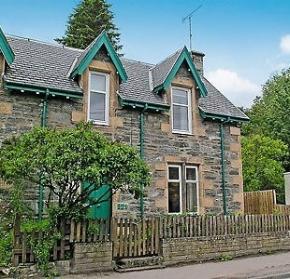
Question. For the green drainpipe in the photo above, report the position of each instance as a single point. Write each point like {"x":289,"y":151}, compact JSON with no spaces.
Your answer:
{"x":223,"y":167}
{"x":43,"y":123}
{"x":141,"y":119}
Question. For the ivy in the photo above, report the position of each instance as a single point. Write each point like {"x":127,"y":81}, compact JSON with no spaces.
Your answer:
{"x":42,"y":235}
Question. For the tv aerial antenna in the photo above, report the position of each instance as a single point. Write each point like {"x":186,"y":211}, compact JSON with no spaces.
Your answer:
{"x":189,"y":18}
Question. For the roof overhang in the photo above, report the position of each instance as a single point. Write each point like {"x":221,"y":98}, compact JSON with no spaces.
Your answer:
{"x":142,"y":105}
{"x":5,"y":49}
{"x":183,"y":57}
{"x":42,"y":90}
{"x":101,"y":40}
{"x":221,"y":117}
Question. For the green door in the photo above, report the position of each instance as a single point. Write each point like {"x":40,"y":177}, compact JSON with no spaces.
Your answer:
{"x":102,"y":210}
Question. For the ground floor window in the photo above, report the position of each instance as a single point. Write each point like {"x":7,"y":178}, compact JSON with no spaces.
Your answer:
{"x":182,"y":188}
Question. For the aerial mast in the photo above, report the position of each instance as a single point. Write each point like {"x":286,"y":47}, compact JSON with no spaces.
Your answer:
{"x":189,"y":18}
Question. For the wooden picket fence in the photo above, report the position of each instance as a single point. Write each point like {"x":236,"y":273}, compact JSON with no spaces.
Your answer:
{"x":72,"y":232}
{"x":90,"y":231}
{"x":210,"y":226}
{"x":135,"y":238}
{"x":22,"y":252}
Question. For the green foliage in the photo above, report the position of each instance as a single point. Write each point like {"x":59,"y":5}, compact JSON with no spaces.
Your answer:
{"x":225,"y":257}
{"x":263,"y":164}
{"x":41,"y":246}
{"x":12,"y":211}
{"x":87,"y":21}
{"x":94,"y":228}
{"x":270,"y":119}
{"x":68,"y":158}
{"x":270,"y":113}
{"x":5,"y":247}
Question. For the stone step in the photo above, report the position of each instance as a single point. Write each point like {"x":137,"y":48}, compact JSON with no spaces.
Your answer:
{"x":139,"y":262}
{"x":140,"y":268}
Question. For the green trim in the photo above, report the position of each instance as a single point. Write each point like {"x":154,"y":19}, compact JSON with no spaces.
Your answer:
{"x":142,"y":105}
{"x":142,"y":123}
{"x":43,"y":124}
{"x":184,"y":56}
{"x":223,"y":168}
{"x":42,"y":90}
{"x":102,"y":39}
{"x":221,"y":117}
{"x":6,"y":49}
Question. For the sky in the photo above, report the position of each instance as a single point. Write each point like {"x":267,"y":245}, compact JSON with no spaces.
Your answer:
{"x":245,"y":41}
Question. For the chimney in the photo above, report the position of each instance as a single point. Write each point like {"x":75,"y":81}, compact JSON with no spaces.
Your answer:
{"x":198,"y":61}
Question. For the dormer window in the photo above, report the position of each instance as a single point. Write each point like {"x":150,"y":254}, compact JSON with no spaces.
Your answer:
{"x":181,"y":110}
{"x":98,"y":101}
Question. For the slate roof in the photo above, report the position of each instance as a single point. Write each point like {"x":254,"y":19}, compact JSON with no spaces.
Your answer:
{"x":48,"y":66}
{"x":42,"y":65}
{"x":162,"y":69}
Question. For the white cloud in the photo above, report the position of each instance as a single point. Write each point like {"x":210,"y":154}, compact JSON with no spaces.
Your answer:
{"x":285,"y":44}
{"x":239,"y":90}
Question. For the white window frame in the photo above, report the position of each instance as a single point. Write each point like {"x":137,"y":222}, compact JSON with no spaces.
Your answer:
{"x":189,"y":111}
{"x":193,"y":181}
{"x":107,"y":99}
{"x":180,"y":187}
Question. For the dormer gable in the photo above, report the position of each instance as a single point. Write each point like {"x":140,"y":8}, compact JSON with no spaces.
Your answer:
{"x":5,"y":49}
{"x":163,"y":73}
{"x":85,"y":59}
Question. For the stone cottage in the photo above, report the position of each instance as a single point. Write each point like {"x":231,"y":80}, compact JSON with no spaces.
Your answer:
{"x":186,"y":130}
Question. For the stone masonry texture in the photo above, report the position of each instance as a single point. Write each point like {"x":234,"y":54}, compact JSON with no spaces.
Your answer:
{"x":20,"y":112}
{"x":89,"y":257}
{"x":186,"y":250}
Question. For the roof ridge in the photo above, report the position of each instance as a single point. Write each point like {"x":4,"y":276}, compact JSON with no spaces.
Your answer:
{"x":138,"y":61}
{"x":27,"y":39}
{"x":179,"y":50}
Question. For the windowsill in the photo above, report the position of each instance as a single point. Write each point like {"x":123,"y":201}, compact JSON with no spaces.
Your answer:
{"x":182,"y":213}
{"x":189,"y":133}
{"x":95,"y":122}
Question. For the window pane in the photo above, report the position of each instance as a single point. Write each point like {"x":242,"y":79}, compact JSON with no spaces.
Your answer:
{"x":180,"y":96}
{"x":191,"y":197}
{"x":97,"y":106}
{"x":174,"y":173}
{"x":98,"y":82}
{"x":190,"y":174}
{"x":174,"y":197}
{"x":180,"y":118}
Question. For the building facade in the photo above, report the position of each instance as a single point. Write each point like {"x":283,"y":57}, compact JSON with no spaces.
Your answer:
{"x":184,"y":128}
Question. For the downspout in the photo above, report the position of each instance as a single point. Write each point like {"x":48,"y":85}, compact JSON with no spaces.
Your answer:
{"x":43,"y":124}
{"x":223,"y":167}
{"x":141,"y":122}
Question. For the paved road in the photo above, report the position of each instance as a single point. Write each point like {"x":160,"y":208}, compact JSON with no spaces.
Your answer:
{"x":270,"y":266}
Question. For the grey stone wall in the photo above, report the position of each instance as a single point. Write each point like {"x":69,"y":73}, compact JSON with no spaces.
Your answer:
{"x":90,"y":257}
{"x":19,"y":112}
{"x":186,"y":250}
{"x":162,"y":147}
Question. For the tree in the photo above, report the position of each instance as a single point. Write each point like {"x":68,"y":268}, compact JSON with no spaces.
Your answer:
{"x":263,"y":164}
{"x":69,"y":158}
{"x":270,"y":112}
{"x":88,"y":20}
